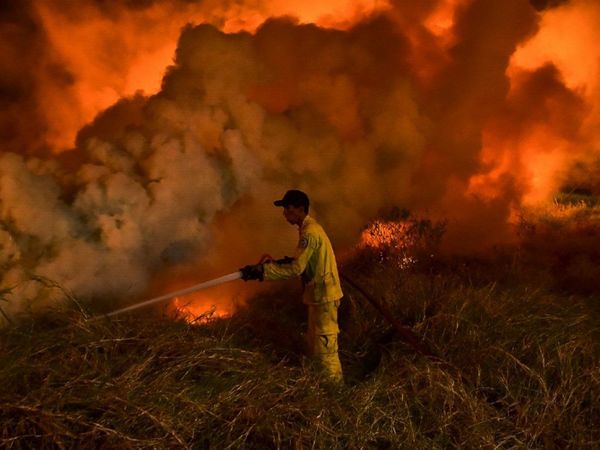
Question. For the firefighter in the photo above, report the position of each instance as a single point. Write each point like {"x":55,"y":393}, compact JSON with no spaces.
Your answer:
{"x":315,"y":263}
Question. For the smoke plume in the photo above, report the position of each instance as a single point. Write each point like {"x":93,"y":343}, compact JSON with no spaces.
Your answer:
{"x":425,"y":106}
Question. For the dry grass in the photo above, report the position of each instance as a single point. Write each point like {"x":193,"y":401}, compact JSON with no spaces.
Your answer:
{"x":564,"y":239}
{"x":520,"y":369}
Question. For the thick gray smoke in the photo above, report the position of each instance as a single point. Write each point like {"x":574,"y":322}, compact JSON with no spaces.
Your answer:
{"x":130,"y":208}
{"x":180,"y":180}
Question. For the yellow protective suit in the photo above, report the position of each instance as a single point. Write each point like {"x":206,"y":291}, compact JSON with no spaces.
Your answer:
{"x":315,"y":262}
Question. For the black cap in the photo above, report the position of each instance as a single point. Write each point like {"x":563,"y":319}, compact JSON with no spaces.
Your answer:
{"x":293,"y":197}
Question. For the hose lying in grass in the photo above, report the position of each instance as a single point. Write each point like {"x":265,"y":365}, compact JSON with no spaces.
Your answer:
{"x":405,"y":333}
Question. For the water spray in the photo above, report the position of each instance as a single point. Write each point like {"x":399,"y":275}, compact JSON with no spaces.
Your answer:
{"x":197,"y":287}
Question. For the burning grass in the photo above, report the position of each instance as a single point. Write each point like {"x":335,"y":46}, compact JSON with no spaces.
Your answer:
{"x":519,"y":367}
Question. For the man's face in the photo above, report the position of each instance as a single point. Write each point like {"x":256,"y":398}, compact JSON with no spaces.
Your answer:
{"x":293,"y":214}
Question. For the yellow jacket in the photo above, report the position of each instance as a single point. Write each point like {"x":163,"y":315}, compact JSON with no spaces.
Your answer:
{"x":314,"y":260}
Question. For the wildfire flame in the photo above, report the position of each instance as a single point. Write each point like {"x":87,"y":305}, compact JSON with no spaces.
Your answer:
{"x":385,"y":233}
{"x":196,"y":309}
{"x":393,"y":240}
{"x":209,"y":304}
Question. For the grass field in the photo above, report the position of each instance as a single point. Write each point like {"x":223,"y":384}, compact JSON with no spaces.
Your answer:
{"x":517,"y":332}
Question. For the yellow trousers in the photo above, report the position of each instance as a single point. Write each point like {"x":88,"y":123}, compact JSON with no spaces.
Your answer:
{"x":322,"y":339}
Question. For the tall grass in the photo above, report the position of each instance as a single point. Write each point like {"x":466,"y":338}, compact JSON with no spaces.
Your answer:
{"x":518,"y":368}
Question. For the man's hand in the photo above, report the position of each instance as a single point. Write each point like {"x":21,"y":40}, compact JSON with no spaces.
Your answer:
{"x":252,"y":272}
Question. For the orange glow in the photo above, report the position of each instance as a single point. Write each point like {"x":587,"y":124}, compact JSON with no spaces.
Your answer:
{"x":212,"y":303}
{"x":333,"y":13}
{"x":441,"y":21}
{"x":384,"y":233}
{"x":395,"y":241}
{"x":109,"y":59}
{"x":147,"y":70}
{"x":339,"y":14}
{"x":392,"y":99}
{"x":537,"y":154}
{"x":534,"y":161}
{"x":568,"y":37}
{"x":106,"y":59}
{"x":543,"y":157}
{"x":198,"y":308}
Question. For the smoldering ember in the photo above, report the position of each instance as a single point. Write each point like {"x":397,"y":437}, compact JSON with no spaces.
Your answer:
{"x":432,"y":282}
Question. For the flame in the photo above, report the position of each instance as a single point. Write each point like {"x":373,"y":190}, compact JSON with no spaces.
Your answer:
{"x":385,"y":233}
{"x":393,"y":240}
{"x":198,"y":308}
{"x":216,"y":302}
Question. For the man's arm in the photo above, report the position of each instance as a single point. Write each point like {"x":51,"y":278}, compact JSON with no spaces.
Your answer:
{"x":306,"y":247}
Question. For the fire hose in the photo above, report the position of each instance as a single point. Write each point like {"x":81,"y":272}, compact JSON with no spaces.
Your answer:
{"x":404,"y":332}
{"x":197,"y":287}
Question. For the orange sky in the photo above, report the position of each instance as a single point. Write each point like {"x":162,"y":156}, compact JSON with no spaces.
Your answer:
{"x":111,"y":58}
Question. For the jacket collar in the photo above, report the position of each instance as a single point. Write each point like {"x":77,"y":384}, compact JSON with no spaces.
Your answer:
{"x":307,"y":220}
